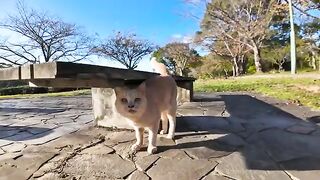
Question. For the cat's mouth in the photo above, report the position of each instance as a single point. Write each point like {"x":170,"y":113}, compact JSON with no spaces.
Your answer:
{"x":132,"y":111}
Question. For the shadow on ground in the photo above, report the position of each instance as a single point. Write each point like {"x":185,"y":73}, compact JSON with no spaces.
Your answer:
{"x":25,"y":123}
{"x":23,"y":133}
{"x":31,"y":110}
{"x":261,"y":135}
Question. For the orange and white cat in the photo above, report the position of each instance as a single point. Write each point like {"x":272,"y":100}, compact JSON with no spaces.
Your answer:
{"x":145,"y":105}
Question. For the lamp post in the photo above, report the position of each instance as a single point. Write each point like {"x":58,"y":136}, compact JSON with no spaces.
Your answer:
{"x":292,"y":40}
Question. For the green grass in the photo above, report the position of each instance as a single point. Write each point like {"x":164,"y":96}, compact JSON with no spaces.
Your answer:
{"x":21,"y":90}
{"x":294,"y":89}
{"x":58,"y":94}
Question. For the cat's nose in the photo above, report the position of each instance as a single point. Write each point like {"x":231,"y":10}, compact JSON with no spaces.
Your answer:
{"x":130,"y":106}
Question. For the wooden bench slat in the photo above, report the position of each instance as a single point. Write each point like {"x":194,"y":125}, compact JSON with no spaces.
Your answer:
{"x":7,"y":74}
{"x":63,"y":70}
{"x":66,"y":74}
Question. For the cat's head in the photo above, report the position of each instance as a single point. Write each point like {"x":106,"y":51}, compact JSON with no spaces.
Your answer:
{"x":131,"y":102}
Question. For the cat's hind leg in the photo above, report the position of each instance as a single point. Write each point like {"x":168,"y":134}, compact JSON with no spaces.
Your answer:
{"x":172,"y":123}
{"x":164,"y":123}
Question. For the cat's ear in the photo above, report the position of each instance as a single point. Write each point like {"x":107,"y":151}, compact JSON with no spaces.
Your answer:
{"x":142,"y":87}
{"x":118,"y":90}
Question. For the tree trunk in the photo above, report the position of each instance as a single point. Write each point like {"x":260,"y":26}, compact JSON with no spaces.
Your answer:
{"x":318,"y":63}
{"x":234,"y":73}
{"x":280,"y":67}
{"x":180,"y":72}
{"x":235,"y":67}
{"x":242,"y":63}
{"x":257,"y":58}
{"x":130,"y":66}
{"x":225,"y":73}
{"x":313,"y":60}
{"x":313,"y":63}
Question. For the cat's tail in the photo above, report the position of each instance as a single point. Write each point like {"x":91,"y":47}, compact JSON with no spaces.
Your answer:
{"x":159,"y":67}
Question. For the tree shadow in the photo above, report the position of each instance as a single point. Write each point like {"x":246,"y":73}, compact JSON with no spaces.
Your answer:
{"x":273,"y":139}
{"x":35,"y":110}
{"x":23,"y":133}
{"x":314,"y":119}
{"x":22,"y":130}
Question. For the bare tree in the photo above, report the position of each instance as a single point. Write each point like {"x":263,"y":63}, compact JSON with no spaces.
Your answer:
{"x":43,"y":39}
{"x":160,"y":56}
{"x":126,"y":49}
{"x":306,"y":7}
{"x":178,"y":57}
{"x":233,"y":51}
{"x":277,"y":56}
{"x":245,"y":22}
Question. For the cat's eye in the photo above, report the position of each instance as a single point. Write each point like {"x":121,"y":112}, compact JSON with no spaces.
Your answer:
{"x":137,"y":99}
{"x":124,"y":100}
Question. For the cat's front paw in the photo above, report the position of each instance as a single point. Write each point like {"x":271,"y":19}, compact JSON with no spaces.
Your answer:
{"x":151,"y":149}
{"x":135,"y":147}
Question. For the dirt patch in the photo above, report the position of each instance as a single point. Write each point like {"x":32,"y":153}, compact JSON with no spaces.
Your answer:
{"x":310,"y":88}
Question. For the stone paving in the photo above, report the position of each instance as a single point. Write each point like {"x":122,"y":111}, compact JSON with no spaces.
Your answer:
{"x":219,"y":137}
{"x":26,"y":122}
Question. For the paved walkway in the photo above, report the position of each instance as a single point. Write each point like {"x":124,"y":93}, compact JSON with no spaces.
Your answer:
{"x":222,"y":136}
{"x":37,"y":121}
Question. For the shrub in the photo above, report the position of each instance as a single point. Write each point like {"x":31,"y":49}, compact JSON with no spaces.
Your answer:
{"x":22,"y":90}
{"x":251,"y":70}
{"x":214,"y":67}
{"x":4,"y":84}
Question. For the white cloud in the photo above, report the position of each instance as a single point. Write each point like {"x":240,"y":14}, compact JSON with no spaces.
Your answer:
{"x":187,"y":39}
{"x":181,"y":38}
{"x":176,"y":36}
{"x":194,"y":1}
{"x":198,"y":1}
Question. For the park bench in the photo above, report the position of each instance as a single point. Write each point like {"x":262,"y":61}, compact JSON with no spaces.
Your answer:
{"x":100,"y":79}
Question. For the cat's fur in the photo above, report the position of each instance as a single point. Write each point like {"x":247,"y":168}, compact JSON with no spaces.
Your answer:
{"x":152,"y":100}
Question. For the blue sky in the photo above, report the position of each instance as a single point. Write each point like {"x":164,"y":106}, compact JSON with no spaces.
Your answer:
{"x":159,"y":21}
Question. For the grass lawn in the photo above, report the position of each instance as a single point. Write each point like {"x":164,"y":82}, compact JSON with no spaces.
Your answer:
{"x":302,"y":90}
{"x":58,"y":94}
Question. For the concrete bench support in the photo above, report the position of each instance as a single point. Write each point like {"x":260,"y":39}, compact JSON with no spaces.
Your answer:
{"x":104,"y":111}
{"x":185,"y":91}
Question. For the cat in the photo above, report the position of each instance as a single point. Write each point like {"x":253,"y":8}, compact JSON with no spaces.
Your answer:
{"x":145,"y":105}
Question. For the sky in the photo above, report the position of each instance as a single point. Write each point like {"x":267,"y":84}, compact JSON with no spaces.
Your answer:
{"x":159,"y":21}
